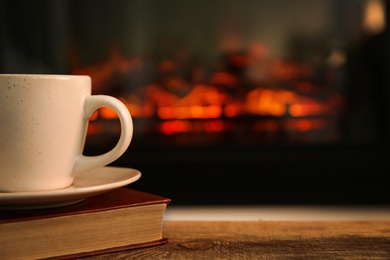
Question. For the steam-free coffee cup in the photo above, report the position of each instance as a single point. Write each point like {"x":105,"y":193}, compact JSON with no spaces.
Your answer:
{"x":44,"y":121}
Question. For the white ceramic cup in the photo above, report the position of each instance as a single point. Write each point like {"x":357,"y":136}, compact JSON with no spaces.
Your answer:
{"x":44,"y":120}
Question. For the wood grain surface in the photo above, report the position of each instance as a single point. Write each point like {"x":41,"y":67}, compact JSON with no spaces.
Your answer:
{"x":268,"y":240}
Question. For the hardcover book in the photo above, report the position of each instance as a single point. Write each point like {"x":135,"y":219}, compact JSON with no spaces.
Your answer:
{"x":118,"y":220}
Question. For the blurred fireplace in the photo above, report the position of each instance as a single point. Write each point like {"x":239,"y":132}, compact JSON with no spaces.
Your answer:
{"x":286,"y":107}
{"x":293,"y":102}
{"x":258,"y":81}
{"x":232,"y":102}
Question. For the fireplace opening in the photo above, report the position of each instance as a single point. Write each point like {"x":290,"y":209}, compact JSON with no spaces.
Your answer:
{"x":290,"y":102}
{"x":232,"y":102}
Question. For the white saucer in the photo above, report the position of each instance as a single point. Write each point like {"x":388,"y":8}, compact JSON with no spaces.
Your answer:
{"x":85,"y":185}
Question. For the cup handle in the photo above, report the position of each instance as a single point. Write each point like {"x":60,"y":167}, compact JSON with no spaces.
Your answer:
{"x":91,"y":104}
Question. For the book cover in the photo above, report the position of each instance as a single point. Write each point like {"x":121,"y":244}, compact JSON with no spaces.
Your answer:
{"x":118,"y":220}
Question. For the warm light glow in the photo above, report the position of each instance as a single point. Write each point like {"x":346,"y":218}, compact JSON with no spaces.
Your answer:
{"x":276,"y":109}
{"x":94,"y":116}
{"x":337,"y":58}
{"x":374,"y":16}
{"x":214,"y":112}
{"x":108,"y":113}
{"x":304,"y":125}
{"x":307,"y":109}
{"x":189,"y":112}
{"x":297,"y":110}
{"x":94,"y":129}
{"x":259,"y":86}
{"x":183,"y":126}
{"x":205,"y":102}
{"x":176,"y":126}
{"x":165,"y":112}
{"x":269,"y":102}
{"x":214,"y":126}
{"x":232,"y":110}
{"x":197,"y":111}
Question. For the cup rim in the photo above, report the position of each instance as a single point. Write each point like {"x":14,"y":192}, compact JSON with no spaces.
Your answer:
{"x":42,"y":76}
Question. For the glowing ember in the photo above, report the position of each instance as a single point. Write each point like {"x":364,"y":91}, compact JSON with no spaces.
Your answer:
{"x":203,"y":103}
{"x":176,"y":101}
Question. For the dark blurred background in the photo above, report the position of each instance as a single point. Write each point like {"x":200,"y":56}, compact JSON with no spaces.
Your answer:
{"x":233,"y":102}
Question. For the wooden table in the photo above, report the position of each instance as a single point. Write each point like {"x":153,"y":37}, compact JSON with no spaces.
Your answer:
{"x":268,"y":240}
